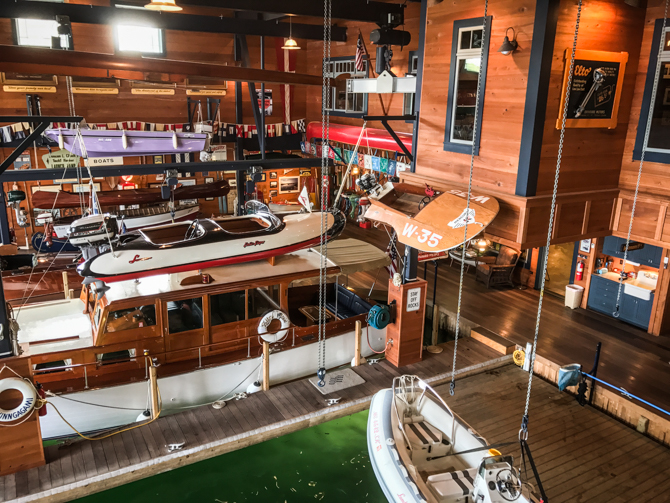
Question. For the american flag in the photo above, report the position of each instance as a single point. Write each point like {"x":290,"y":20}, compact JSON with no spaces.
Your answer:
{"x":360,"y":64}
{"x":392,"y":251}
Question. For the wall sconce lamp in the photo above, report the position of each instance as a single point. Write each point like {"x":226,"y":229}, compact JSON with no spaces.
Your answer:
{"x":509,"y":46}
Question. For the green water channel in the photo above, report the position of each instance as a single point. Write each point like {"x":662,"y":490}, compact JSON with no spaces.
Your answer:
{"x":326,"y":463}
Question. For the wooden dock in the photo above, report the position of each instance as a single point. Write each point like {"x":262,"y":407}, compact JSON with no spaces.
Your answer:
{"x":582,"y":454}
{"x":86,"y":467}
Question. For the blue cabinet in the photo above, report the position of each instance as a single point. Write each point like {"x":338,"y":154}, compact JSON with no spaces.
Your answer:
{"x":649,"y":255}
{"x":602,"y":298}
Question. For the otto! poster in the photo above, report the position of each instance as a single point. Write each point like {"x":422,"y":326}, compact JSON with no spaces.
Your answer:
{"x":267,"y":106}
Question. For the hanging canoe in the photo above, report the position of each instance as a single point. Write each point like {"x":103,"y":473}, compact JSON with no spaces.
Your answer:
{"x":373,"y":138}
{"x":103,"y":143}
{"x":64,"y":199}
{"x":430,"y":223}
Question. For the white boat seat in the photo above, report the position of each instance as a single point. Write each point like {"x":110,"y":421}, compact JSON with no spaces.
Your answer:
{"x":452,"y":486}
{"x":423,"y":434}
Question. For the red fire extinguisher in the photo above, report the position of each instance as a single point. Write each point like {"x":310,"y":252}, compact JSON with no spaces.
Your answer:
{"x":579,"y":274}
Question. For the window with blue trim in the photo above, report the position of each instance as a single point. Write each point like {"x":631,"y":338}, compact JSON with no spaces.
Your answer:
{"x":466,"y":65}
{"x":658,"y":146}
{"x":342,"y":102}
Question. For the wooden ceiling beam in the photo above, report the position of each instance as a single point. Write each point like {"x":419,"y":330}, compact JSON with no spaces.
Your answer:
{"x":92,"y":14}
{"x":34,"y":60}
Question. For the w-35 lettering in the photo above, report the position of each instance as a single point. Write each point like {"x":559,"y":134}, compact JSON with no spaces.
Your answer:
{"x":425,"y":235}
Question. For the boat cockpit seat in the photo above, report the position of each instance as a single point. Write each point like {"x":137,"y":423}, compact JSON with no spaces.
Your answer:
{"x":452,"y":486}
{"x":425,"y":440}
{"x":348,"y":303}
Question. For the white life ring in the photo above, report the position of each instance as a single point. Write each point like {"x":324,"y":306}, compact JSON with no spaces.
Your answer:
{"x":267,"y":318}
{"x":27,"y":401}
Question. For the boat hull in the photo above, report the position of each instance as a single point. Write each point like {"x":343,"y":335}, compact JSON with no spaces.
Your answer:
{"x":391,"y":474}
{"x":183,"y":391}
{"x":110,"y":143}
{"x":300,"y":231}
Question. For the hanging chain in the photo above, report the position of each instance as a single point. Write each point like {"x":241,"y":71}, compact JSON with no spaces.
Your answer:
{"x":70,"y":96}
{"x":325,"y":148}
{"x":452,"y":385}
{"x":523,"y":433}
{"x":647,"y":132}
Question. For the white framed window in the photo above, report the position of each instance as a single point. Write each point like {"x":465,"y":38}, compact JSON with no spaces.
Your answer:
{"x":468,"y":63}
{"x":142,"y":39}
{"x":341,"y":101}
{"x":468,"y":47}
{"x":35,"y":32}
{"x":659,"y":134}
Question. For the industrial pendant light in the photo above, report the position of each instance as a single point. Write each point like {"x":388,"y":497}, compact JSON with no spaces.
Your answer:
{"x":509,"y":46}
{"x":163,"y":5}
{"x":290,"y":44}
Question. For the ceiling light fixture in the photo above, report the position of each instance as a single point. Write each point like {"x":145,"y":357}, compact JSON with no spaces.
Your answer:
{"x":509,"y":46}
{"x":290,"y":44}
{"x":163,"y":5}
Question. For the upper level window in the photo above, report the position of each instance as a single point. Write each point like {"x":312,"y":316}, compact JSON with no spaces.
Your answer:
{"x":143,"y":39}
{"x":343,"y":103}
{"x":466,"y":66}
{"x":35,"y":32}
{"x":658,"y":146}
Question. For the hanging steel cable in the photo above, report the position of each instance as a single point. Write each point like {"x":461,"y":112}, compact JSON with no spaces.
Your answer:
{"x":452,"y":385}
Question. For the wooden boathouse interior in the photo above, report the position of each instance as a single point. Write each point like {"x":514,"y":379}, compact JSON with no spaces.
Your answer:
{"x":483,"y":114}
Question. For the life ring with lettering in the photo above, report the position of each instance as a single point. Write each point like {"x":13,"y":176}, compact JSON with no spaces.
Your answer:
{"x":267,"y":319}
{"x":28,"y":399}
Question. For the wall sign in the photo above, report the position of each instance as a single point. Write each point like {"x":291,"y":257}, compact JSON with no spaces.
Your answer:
{"x":413,"y":299}
{"x":29,"y":89}
{"x":106,"y":161}
{"x":94,"y":90}
{"x":596,"y":89}
{"x":60,"y":159}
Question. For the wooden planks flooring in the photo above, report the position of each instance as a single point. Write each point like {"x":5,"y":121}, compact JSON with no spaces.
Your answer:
{"x":582,"y":455}
{"x":85,"y":467}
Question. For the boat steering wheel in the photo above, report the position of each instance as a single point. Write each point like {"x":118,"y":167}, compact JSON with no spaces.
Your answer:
{"x":424,"y":202}
{"x":508,"y":484}
{"x":192,"y":230}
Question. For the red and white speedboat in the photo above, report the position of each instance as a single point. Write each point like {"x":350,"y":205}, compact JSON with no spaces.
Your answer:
{"x":199,"y":244}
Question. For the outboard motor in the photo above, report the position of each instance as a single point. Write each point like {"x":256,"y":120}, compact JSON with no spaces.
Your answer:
{"x":14,"y":199}
{"x":93,"y":231}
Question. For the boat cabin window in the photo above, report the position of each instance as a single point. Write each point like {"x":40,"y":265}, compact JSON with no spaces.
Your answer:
{"x":132,"y":317}
{"x":184,"y":315}
{"x":51,"y":367}
{"x":262,"y":300}
{"x":227,"y":307}
{"x":116,"y":357}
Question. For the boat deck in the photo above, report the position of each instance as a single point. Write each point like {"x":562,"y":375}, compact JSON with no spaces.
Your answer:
{"x":86,"y":467}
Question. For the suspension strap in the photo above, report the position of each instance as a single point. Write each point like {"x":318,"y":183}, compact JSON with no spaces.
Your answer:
{"x":326,"y":95}
{"x":523,"y":432}
{"x":642,"y":154}
{"x":452,"y":385}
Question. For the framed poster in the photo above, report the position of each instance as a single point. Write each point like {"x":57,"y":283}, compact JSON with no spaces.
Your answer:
{"x":273,"y":193}
{"x":273,"y":184}
{"x":305,"y":171}
{"x":289,"y":184}
{"x":209,"y":180}
{"x":273,"y":175}
{"x":232,"y":182}
{"x":585,"y":245}
{"x":596,"y":89}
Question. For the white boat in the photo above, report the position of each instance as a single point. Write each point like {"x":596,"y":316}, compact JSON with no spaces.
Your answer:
{"x":422,"y":452}
{"x":204,"y":330}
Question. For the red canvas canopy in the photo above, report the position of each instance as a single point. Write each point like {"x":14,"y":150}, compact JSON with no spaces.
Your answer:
{"x":374,"y":138}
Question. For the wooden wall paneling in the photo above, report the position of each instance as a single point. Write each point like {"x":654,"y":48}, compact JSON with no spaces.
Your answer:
{"x":662,"y":212}
{"x":572,"y":220}
{"x":591,"y":157}
{"x":599,"y":216}
{"x":646,"y":218}
{"x":658,"y":310}
{"x":585,"y":220}
{"x":502,"y":121}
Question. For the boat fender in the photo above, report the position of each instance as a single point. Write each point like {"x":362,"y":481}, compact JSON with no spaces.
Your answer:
{"x":379,"y":317}
{"x":28,"y":399}
{"x":267,"y":319}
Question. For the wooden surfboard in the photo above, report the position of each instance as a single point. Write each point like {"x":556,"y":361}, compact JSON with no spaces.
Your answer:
{"x":436,"y":226}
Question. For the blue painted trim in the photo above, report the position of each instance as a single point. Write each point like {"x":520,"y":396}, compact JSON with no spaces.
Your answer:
{"x":419,"y":78}
{"x":537,"y":90}
{"x":448,"y":145}
{"x":646,"y":102}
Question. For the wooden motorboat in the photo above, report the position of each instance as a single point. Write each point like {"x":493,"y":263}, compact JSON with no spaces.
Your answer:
{"x":428,"y":220}
{"x":421,"y":451}
{"x":198,"y":244}
{"x":88,"y":351}
{"x":103,"y":143}
{"x":63,"y":199}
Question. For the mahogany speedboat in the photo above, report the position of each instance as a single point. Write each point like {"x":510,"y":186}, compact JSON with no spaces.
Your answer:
{"x":105,"y":143}
{"x":198,"y":244}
